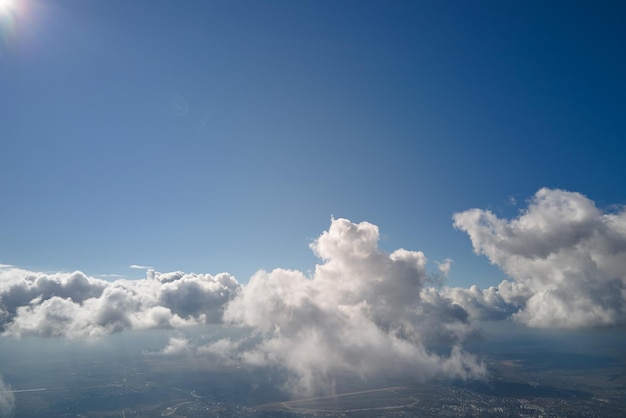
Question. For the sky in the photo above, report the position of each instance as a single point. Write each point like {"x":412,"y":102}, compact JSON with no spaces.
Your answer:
{"x":369,"y":178}
{"x":222,"y":136}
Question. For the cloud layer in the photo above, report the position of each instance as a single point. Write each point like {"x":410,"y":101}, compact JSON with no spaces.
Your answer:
{"x":74,"y":305}
{"x":367,"y":313}
{"x":566,"y":257}
{"x":362,"y":312}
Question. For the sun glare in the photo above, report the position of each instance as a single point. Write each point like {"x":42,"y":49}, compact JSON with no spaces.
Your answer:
{"x":9,"y":11}
{"x":6,"y":6}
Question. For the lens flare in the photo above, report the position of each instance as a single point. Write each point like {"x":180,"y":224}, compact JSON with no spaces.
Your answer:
{"x":6,"y":6}
{"x":8,"y":16}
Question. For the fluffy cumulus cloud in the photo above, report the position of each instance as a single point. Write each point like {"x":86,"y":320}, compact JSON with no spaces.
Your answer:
{"x":567,"y":259}
{"x":75,"y":305}
{"x":363,"y":312}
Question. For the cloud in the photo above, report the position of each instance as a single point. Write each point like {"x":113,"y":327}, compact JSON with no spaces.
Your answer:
{"x":363,"y":312}
{"x":567,"y":259}
{"x":74,"y":305}
{"x":224,"y":348}
{"x":139,"y":267}
{"x":492,"y":304}
{"x":176,"y":346}
{"x":112,"y":275}
{"x":21,"y":288}
{"x":368,"y":313}
{"x":444,"y":266}
{"x":7,"y":400}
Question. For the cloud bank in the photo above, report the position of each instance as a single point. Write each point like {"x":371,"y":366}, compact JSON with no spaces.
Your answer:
{"x":567,"y":259}
{"x":363,"y":312}
{"x":74,"y":305}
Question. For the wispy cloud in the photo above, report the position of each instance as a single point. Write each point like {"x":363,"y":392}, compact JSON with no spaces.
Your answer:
{"x":113,"y":276}
{"x":177,"y":105}
{"x":7,"y":400}
{"x":204,"y":121}
{"x":139,"y":267}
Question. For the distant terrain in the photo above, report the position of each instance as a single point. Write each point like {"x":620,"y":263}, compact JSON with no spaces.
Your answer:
{"x":533,"y":375}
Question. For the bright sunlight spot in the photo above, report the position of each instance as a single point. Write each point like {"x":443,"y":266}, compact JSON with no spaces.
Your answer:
{"x":6,"y":6}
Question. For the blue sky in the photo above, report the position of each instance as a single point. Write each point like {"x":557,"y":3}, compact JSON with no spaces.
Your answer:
{"x":222,"y":136}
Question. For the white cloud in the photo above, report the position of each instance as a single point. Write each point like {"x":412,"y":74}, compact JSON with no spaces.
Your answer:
{"x":494,"y":303}
{"x":444,"y":266}
{"x":363,"y":312}
{"x":176,"y":346}
{"x":567,"y":259}
{"x":224,"y":348}
{"x":197,"y":295}
{"x":112,"y":276}
{"x":139,"y":267}
{"x":74,"y":305}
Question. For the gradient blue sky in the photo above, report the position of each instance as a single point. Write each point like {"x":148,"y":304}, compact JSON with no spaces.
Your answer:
{"x":221,"y":136}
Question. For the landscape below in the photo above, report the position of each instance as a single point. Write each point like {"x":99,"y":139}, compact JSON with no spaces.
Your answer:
{"x":530,"y":374}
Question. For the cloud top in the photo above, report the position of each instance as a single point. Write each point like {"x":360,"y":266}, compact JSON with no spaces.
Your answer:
{"x":363,"y":312}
